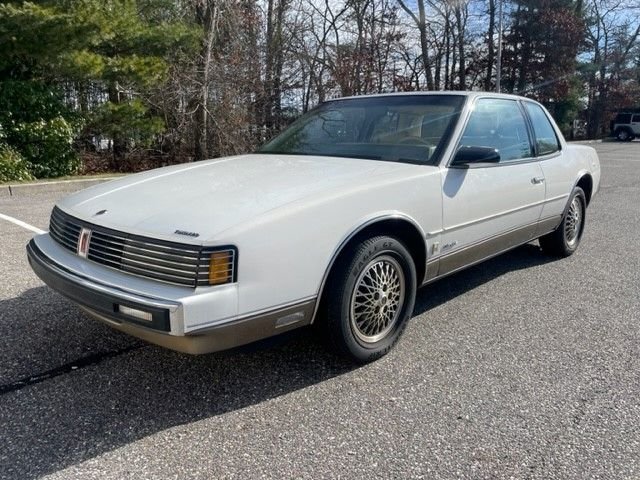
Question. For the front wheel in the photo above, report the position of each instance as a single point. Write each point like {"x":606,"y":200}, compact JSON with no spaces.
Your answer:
{"x":564,"y":240}
{"x":371,"y":298}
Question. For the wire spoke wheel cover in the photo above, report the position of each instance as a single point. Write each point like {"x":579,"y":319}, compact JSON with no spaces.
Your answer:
{"x":565,"y":239}
{"x":371,"y":297}
{"x":573,"y":222}
{"x":377,"y":299}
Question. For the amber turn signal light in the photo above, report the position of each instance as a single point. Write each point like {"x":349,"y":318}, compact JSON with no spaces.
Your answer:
{"x":221,"y":267}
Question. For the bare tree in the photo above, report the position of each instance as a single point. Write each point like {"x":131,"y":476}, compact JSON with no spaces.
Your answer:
{"x":420,"y":21}
{"x":611,"y":36}
{"x":491,"y":58}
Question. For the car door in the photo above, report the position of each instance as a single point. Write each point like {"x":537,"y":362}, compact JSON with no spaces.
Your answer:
{"x":559,"y":171}
{"x":635,"y":124}
{"x":488,"y":208}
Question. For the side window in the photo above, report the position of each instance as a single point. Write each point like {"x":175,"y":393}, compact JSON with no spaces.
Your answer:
{"x":623,"y":118}
{"x":499,"y":124}
{"x":546,"y":139}
{"x":635,"y":119}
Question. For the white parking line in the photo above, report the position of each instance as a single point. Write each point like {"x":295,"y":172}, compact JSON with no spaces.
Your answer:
{"x":20,"y":223}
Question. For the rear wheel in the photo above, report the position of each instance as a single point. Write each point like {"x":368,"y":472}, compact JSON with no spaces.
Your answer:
{"x":624,"y":135}
{"x":564,"y":240}
{"x":370,"y":298}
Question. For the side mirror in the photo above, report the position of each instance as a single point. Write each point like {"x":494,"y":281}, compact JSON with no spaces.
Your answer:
{"x":472,"y":155}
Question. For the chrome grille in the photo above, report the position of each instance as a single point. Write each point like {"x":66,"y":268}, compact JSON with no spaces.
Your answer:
{"x":175,"y":263}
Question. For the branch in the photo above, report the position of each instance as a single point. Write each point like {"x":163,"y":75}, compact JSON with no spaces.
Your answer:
{"x":408,"y":10}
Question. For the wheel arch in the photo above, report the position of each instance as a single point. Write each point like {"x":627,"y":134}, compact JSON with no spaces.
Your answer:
{"x":398,"y":226}
{"x":585,"y":182}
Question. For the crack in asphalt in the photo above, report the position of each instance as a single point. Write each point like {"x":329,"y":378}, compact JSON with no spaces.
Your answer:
{"x":78,"y":364}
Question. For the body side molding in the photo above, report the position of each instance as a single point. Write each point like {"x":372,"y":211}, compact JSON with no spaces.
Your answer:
{"x":488,"y":248}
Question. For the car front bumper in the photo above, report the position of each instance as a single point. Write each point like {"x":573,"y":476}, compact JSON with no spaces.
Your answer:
{"x":169,"y":322}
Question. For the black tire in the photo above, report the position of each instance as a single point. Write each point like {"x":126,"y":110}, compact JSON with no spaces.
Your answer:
{"x":624,"y":135}
{"x":565,"y":239}
{"x":354,"y":335}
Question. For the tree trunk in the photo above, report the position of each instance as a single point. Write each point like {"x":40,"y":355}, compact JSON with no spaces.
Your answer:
{"x":491,"y":56}
{"x":206,"y":16}
{"x":421,"y":23}
{"x":276,"y":10}
{"x":447,"y":53}
{"x":119,"y":145}
{"x":461,"y":29}
{"x":424,"y":45}
{"x":269,"y":69}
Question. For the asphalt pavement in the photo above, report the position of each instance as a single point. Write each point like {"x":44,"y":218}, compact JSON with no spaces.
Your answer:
{"x":521,"y":367}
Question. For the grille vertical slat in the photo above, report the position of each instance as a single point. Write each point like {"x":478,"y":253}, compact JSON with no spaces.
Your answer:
{"x":178,"y":264}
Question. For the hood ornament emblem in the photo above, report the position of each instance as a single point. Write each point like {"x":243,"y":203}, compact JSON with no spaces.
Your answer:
{"x":101,"y":212}
{"x":84,"y":240}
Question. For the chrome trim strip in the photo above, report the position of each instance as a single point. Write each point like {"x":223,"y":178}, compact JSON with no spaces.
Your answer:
{"x":191,"y":258}
{"x":254,"y":313}
{"x":549,"y":224}
{"x":478,"y":251}
{"x":501,"y":214}
{"x":103,"y":251}
{"x":187,"y":273}
{"x":105,"y":240}
{"x":433,"y":266}
{"x":492,"y":246}
{"x":559,"y":197}
{"x":164,"y":248}
{"x":269,"y":314}
{"x":556,"y":218}
{"x":550,"y":156}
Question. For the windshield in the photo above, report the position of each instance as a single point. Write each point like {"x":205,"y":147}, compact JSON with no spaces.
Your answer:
{"x":410,"y":128}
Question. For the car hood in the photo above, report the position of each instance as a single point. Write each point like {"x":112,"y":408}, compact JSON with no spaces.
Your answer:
{"x":209,"y":197}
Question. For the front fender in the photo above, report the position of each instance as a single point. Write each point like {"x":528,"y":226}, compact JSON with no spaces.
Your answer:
{"x":285,"y":256}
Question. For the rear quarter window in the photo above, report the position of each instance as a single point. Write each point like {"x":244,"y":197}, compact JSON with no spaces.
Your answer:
{"x":546,"y":139}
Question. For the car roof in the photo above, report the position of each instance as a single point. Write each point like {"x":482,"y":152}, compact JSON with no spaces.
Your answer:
{"x":468,"y":94}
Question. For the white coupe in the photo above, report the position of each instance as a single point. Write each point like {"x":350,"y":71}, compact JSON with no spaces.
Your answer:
{"x":336,"y":221}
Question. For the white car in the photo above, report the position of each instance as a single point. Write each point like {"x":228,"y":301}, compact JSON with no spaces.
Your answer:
{"x":338,"y":220}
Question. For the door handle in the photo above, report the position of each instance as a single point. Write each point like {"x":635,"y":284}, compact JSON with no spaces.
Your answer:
{"x":537,"y":180}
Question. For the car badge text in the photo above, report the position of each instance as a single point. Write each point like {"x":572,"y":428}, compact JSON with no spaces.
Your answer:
{"x":83,"y":242}
{"x":188,"y":234}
